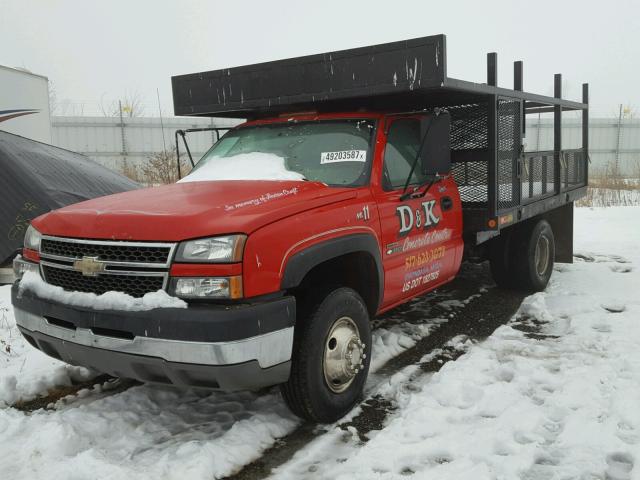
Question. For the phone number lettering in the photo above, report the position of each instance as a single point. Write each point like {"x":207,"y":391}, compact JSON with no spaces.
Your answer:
{"x":424,"y":257}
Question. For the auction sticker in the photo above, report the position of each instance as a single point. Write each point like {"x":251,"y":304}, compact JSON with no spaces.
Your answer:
{"x":343,"y":156}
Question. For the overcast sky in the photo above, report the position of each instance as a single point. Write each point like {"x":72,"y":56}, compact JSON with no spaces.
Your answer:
{"x":94,"y":52}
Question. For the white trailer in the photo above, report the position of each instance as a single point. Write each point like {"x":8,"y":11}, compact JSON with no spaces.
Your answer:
{"x":24,"y":104}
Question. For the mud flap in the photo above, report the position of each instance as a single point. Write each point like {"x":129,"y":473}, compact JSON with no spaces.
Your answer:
{"x":561,"y":221}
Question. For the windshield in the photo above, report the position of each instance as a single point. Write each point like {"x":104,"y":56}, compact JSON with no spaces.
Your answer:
{"x":334,"y":152}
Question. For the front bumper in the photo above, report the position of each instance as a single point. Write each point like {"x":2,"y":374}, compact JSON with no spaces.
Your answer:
{"x":225,"y":347}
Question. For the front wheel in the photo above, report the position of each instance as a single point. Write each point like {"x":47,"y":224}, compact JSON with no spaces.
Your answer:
{"x":331,"y":356}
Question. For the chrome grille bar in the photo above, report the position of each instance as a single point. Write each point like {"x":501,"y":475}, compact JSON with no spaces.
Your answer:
{"x":111,"y":243}
{"x":112,"y":268}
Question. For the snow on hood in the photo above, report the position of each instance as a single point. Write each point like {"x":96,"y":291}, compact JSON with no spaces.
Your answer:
{"x":245,"y":166}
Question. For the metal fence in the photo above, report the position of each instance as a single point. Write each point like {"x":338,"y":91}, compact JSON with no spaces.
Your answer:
{"x":132,"y":141}
{"x":115,"y":143}
{"x":613,"y":142}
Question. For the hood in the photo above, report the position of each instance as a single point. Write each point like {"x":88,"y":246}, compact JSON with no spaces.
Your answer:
{"x":188,"y":210}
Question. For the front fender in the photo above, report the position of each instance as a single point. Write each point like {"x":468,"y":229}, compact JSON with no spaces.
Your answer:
{"x":301,"y":263}
{"x":269,"y":250}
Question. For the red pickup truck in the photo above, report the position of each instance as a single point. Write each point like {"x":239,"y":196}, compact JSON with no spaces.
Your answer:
{"x":340,"y":198}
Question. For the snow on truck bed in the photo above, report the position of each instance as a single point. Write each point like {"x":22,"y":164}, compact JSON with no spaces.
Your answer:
{"x":558,"y":402}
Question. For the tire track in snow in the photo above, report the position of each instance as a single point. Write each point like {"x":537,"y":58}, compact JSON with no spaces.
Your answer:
{"x":104,"y":383}
{"x":413,"y":320}
{"x":413,"y":312}
{"x":474,"y":320}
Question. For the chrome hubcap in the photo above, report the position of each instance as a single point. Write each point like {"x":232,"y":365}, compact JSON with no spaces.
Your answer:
{"x":343,"y":355}
{"x":542,"y":255}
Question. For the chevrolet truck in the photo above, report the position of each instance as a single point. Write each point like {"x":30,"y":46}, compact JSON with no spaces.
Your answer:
{"x":384,"y":174}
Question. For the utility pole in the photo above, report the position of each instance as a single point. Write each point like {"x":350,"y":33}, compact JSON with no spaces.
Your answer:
{"x":164,"y":145}
{"x":617,"y":162}
{"x":124,"y":144}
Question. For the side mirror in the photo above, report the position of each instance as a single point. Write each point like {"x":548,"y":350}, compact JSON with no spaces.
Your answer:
{"x":436,"y":152}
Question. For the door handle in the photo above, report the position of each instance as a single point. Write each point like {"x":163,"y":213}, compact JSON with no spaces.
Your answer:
{"x":446,"y":203}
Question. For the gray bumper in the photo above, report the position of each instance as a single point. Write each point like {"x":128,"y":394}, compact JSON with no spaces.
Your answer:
{"x":268,"y":349}
{"x":233,"y":347}
{"x":251,"y":363}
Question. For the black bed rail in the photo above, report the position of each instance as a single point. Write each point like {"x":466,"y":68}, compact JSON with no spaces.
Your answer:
{"x":573,"y":169}
{"x":538,"y":174}
{"x":499,"y":183}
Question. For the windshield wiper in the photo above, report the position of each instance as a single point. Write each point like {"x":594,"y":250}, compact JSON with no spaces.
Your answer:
{"x":430,"y":180}
{"x":416,"y":194}
{"x":405,"y":193}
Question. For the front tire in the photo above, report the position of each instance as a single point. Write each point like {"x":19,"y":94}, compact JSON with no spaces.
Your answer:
{"x":331,"y":356}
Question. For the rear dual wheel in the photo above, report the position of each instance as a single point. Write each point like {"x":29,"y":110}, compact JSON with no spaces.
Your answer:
{"x":523,"y":258}
{"x":331,"y":356}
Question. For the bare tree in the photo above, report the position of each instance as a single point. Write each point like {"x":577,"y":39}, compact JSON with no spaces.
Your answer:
{"x":635,"y":170}
{"x":129,"y":170}
{"x":623,"y":111}
{"x":628,"y":111}
{"x":130,"y":105}
{"x":162,"y":168}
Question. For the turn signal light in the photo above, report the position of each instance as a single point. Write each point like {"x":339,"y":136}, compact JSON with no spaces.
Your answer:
{"x":208,"y":287}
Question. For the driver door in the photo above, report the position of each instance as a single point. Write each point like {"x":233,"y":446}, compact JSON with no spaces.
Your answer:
{"x":418,"y":234}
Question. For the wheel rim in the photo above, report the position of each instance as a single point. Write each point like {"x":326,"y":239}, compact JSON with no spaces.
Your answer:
{"x":343,"y":354}
{"x":542,"y":255}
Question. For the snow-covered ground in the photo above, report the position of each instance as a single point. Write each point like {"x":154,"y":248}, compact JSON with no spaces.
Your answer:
{"x":25,"y":371}
{"x":558,"y":404}
{"x":561,"y":402}
{"x":144,"y":431}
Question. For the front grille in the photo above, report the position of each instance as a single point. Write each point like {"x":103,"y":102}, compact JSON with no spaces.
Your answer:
{"x":134,"y":268}
{"x":72,"y":281}
{"x":112,"y":251}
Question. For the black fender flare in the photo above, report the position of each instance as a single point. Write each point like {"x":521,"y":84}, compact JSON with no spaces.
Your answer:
{"x":302,"y":262}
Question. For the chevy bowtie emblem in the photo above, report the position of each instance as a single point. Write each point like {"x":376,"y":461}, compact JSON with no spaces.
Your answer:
{"x":89,"y":266}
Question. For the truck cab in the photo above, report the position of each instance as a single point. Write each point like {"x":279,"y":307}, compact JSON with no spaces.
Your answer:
{"x":265,"y":264}
{"x":364,"y":160}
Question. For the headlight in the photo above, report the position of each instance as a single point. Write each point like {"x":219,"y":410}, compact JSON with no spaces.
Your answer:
{"x":32,"y":239}
{"x":207,"y":287}
{"x":226,"y":249}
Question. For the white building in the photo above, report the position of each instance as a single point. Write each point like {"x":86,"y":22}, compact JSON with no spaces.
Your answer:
{"x":24,"y":104}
